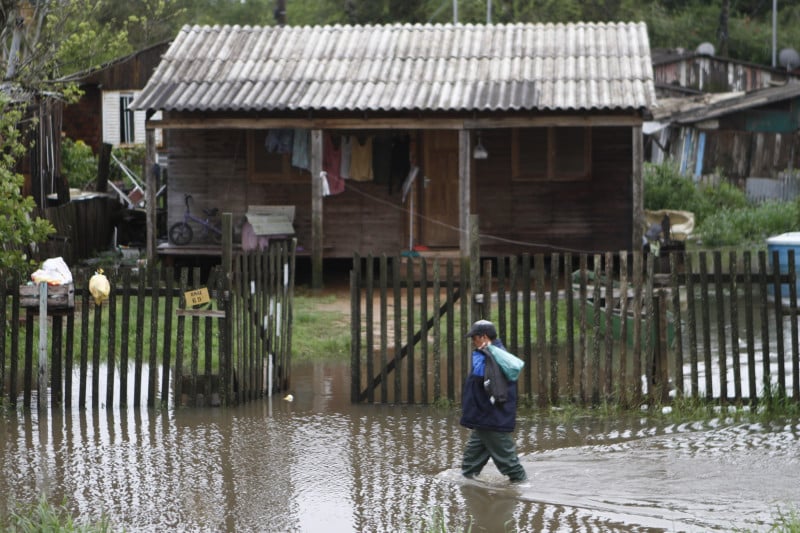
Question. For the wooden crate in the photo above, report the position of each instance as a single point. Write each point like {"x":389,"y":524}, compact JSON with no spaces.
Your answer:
{"x":58,"y":296}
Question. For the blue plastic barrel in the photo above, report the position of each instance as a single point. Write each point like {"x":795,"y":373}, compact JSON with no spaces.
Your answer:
{"x":782,"y":244}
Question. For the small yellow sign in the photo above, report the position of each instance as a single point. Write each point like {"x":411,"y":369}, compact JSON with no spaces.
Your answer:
{"x":197,"y":297}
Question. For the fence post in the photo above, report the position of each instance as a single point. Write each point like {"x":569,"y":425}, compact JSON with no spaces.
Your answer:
{"x":355,"y":329}
{"x":661,"y":373}
{"x":42,"y":400}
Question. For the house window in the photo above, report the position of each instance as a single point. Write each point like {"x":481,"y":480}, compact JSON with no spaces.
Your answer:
{"x":126,"y":119}
{"x":265,"y":166}
{"x":551,"y":153}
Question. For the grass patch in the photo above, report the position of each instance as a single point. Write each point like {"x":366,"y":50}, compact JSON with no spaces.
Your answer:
{"x":679,"y":410}
{"x":44,"y":516}
{"x":319,"y":330}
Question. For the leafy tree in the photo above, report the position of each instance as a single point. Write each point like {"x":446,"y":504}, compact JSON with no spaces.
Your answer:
{"x":252,"y":12}
{"x":31,"y":34}
{"x":17,"y":227}
{"x":146,"y":22}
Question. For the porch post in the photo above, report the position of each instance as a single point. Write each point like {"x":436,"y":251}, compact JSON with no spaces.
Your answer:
{"x":316,"y":209}
{"x":637,"y":176}
{"x":468,"y":238}
{"x":464,"y":184}
{"x":150,"y":191}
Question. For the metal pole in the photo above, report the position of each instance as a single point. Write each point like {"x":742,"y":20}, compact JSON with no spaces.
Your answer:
{"x":455,"y":11}
{"x":488,"y":11}
{"x":774,"y":31}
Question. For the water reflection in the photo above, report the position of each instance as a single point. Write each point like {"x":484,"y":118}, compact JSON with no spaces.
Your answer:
{"x":321,"y":464}
{"x":743,"y":348}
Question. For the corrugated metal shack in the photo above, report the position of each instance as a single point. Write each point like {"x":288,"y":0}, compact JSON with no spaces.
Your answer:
{"x":679,"y":72}
{"x":741,"y":135}
{"x":535,"y":128}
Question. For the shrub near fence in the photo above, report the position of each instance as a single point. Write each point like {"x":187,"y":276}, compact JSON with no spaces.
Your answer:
{"x":143,"y":345}
{"x":700,"y":325}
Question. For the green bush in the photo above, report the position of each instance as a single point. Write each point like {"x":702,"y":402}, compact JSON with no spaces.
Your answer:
{"x":722,"y":213}
{"x":750,"y":224}
{"x":666,"y":188}
{"x":723,"y":196}
{"x":78,"y":163}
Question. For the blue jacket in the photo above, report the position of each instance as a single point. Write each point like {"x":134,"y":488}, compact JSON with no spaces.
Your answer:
{"x":478,"y":412}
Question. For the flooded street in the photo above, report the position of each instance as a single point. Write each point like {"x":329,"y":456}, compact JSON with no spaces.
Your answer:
{"x":321,"y":464}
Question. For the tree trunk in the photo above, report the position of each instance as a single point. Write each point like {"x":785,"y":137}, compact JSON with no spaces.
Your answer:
{"x":280,"y":12}
{"x":722,"y":30}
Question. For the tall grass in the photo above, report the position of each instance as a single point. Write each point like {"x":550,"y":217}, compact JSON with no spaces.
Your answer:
{"x":45,"y":516}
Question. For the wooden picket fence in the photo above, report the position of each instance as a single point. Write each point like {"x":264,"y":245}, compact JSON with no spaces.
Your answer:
{"x":716,"y":332}
{"x":145,"y":346}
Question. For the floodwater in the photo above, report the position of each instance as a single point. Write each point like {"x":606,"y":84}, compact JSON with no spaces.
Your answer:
{"x":321,"y":464}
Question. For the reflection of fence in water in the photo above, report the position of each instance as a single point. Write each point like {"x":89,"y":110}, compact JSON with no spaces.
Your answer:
{"x":737,"y":346}
{"x":555,"y":326}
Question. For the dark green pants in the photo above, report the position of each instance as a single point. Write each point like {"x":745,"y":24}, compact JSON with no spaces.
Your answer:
{"x":499,"y":446}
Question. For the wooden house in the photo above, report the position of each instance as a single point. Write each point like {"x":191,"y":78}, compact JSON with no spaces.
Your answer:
{"x":534,"y":128}
{"x":103,"y":113}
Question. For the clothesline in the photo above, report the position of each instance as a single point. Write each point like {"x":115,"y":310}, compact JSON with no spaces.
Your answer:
{"x":480,"y":235}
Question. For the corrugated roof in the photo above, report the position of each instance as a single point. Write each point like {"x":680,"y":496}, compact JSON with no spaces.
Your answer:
{"x":743,"y":101}
{"x":450,"y":67}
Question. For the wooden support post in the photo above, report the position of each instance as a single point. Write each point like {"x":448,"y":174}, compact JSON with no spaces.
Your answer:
{"x":42,"y":347}
{"x":151,"y":188}
{"x":316,"y":209}
{"x":464,"y":190}
{"x":227,"y":244}
{"x":638,"y":188}
{"x":474,"y":269}
{"x":103,"y":167}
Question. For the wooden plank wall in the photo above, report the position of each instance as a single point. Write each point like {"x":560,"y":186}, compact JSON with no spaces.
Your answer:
{"x":594,"y":214}
{"x":82,"y":228}
{"x":369,"y":219}
{"x":212,"y":166}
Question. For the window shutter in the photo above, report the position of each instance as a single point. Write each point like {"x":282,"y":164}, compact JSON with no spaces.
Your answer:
{"x":111,"y":117}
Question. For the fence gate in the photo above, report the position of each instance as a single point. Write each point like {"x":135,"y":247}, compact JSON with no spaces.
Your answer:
{"x":144,"y":344}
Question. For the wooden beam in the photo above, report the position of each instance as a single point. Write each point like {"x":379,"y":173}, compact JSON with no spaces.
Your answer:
{"x":203,"y":313}
{"x":322,"y":123}
{"x":316,"y":209}
{"x":410,"y":123}
{"x":587,"y":120}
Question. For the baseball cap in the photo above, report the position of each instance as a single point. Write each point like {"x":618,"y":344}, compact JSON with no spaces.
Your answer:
{"x":483,"y":327}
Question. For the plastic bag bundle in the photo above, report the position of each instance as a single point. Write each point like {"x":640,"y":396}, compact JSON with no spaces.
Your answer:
{"x":54,"y":271}
{"x":510,"y":364}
